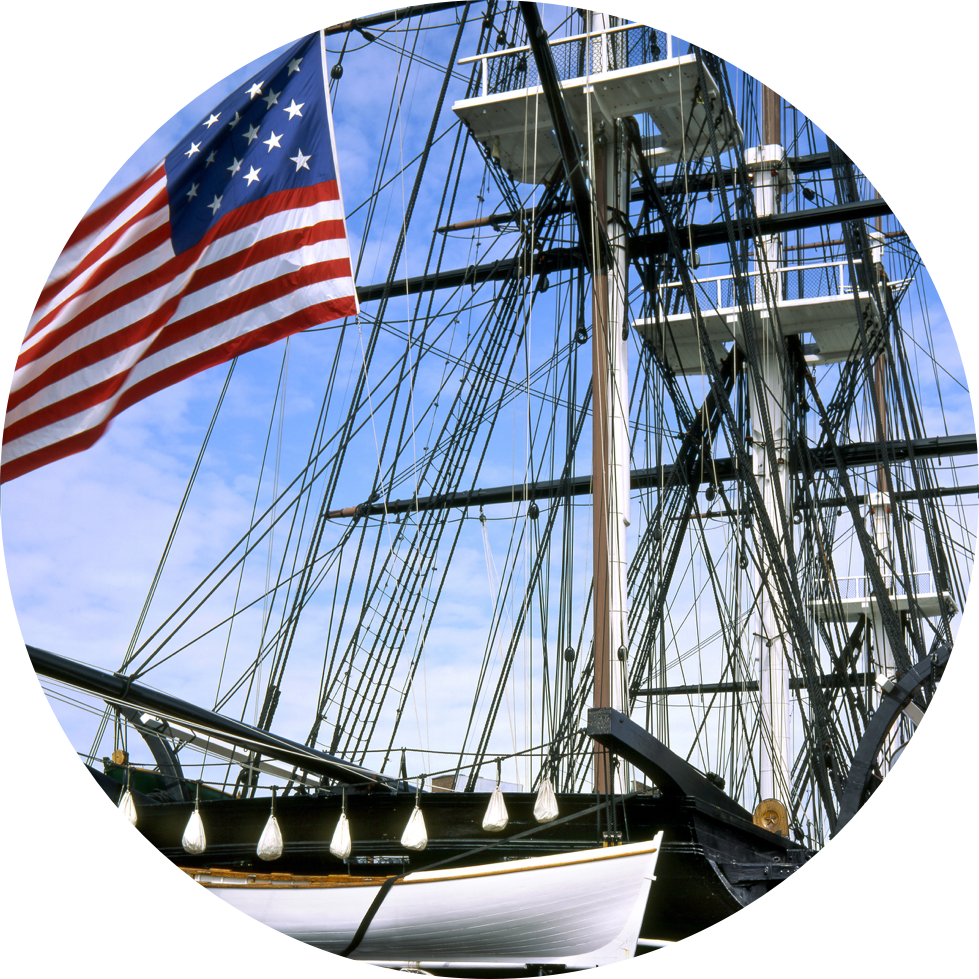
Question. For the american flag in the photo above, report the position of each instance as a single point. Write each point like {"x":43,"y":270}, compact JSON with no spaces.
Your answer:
{"x":235,"y":240}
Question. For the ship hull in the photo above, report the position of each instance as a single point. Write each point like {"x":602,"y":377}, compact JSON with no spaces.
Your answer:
{"x":710,"y":865}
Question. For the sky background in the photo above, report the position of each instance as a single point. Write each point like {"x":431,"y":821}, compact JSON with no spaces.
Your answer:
{"x":82,"y":537}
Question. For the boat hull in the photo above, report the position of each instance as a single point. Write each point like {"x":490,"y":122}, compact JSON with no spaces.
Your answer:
{"x":577,"y":910}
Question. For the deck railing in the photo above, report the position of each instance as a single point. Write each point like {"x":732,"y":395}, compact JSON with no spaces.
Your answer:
{"x":627,"y":46}
{"x":859,"y":586}
{"x":812,"y":281}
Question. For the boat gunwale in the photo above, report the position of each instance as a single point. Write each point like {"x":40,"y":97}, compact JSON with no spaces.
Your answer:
{"x":272,"y":880}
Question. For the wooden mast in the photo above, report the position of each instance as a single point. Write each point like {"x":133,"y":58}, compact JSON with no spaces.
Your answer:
{"x":610,"y":430}
{"x":601,"y":206}
{"x":769,"y":398}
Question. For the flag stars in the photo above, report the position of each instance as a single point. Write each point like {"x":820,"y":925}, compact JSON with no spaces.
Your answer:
{"x":300,"y":161}
{"x":236,"y":158}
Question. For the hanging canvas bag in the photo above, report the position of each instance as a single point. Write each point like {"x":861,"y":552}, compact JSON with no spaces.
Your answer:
{"x":127,"y":807}
{"x":545,"y":808}
{"x":415,"y":836}
{"x":340,"y":845}
{"x":270,"y":843}
{"x":496,"y":816}
{"x":193,"y":840}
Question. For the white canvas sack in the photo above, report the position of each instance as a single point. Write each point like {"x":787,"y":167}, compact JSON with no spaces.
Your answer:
{"x":270,"y":844}
{"x":127,"y":807}
{"x":415,"y":836}
{"x":545,"y":808}
{"x":193,"y":840}
{"x":496,"y":816}
{"x":340,"y":845}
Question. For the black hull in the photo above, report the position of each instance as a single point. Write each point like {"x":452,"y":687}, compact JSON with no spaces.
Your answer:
{"x":711,"y":865}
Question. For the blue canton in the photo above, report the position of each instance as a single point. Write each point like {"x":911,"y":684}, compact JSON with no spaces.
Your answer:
{"x":271,"y":134}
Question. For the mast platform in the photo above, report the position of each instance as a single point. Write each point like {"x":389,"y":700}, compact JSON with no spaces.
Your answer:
{"x":857,"y":599}
{"x":816,"y":299}
{"x":603,"y":78}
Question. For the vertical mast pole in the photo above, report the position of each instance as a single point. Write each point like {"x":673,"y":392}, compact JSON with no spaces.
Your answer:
{"x":601,"y":205}
{"x":770,"y":638}
{"x":880,"y":507}
{"x":880,"y":501}
{"x":610,"y":428}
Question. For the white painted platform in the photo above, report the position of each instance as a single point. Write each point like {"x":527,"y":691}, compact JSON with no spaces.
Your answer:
{"x":830,"y":320}
{"x":856,"y":599}
{"x":516,"y":127}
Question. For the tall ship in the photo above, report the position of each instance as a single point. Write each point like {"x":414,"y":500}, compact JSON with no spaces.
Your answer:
{"x":614,"y":535}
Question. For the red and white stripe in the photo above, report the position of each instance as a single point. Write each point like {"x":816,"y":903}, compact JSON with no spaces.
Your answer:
{"x":122,"y":316}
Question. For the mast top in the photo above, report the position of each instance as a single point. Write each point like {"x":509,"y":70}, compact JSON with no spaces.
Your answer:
{"x":622,"y":71}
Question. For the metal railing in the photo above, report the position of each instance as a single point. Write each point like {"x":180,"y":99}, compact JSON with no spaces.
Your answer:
{"x":859,"y":586}
{"x":579,"y":56}
{"x":793,"y":282}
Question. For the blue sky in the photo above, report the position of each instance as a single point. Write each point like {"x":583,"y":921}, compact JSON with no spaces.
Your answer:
{"x":83,"y":536}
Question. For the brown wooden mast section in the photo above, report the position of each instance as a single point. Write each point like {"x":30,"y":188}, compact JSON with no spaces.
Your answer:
{"x":601,"y":462}
{"x":610,"y":434}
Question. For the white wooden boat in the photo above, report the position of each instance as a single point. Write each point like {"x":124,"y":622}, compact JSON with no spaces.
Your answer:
{"x":578,"y":910}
